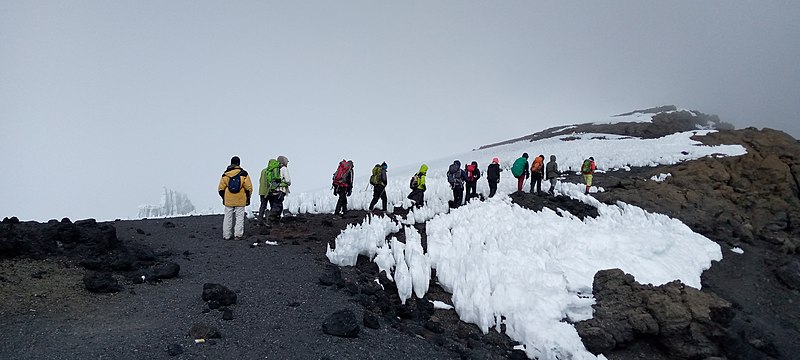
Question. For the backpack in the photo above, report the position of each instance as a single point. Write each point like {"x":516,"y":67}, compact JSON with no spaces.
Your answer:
{"x":454,"y":177}
{"x":338,"y":176}
{"x":235,"y":183}
{"x":586,"y":168}
{"x":537,"y":165}
{"x":273,"y":175}
{"x":414,"y":181}
{"x":519,"y":167}
{"x":471,"y":173}
{"x":375,"y":179}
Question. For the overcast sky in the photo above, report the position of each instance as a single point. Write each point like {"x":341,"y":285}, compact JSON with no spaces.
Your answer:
{"x":104,"y":102}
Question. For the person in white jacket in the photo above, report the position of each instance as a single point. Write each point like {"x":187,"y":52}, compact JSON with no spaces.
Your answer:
{"x":276,"y":197}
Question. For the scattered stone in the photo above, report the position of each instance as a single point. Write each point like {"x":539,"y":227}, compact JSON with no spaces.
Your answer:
{"x":434,"y":326}
{"x":342,"y":323}
{"x":293,"y":304}
{"x":140,"y":231}
{"x":100,"y":282}
{"x":227,"y":314}
{"x":789,"y":274}
{"x":371,"y":320}
{"x":66,"y":220}
{"x":203,"y":331}
{"x":169,"y":225}
{"x":167,"y":270}
{"x":217,"y":295}
{"x":332,"y":277}
{"x":174,"y":350}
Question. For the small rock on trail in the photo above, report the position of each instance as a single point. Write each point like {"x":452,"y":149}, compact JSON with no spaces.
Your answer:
{"x":342,"y":323}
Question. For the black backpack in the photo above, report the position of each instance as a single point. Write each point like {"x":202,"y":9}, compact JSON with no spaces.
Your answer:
{"x":235,"y":183}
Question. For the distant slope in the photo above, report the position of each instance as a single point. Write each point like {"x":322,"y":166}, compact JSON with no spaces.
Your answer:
{"x":648,"y":123}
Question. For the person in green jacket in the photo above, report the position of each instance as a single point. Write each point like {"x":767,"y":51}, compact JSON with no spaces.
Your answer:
{"x":264,"y":188}
{"x":418,"y":187}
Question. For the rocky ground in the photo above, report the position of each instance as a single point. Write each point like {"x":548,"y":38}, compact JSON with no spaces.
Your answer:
{"x":88,"y":290}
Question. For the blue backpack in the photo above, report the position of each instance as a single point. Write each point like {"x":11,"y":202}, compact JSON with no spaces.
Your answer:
{"x":235,"y":183}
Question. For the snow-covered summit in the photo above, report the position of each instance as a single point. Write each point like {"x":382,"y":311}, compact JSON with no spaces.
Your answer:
{"x":646,"y":123}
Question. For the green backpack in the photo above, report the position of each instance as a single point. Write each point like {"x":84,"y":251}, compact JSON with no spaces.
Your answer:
{"x":273,"y":175}
{"x":375,"y":179}
{"x":586,"y":168}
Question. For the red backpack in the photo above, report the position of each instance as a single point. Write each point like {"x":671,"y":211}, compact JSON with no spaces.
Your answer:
{"x":338,"y":176}
{"x":470,"y":173}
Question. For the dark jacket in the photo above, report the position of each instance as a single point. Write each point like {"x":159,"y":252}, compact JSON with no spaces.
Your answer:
{"x":456,"y":176}
{"x":493,"y":172}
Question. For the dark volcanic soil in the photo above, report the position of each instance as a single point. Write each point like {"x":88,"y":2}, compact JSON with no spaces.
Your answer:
{"x":45,"y":313}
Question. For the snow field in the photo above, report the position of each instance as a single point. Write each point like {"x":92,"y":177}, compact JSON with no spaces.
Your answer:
{"x":533,"y":268}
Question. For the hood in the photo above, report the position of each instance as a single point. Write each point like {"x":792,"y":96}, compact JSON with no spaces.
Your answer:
{"x":552,"y":158}
{"x":457,"y":163}
{"x":423,"y":169}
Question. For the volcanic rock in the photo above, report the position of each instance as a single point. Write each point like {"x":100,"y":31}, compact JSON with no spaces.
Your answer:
{"x":217,"y":295}
{"x":100,"y":282}
{"x":342,"y":323}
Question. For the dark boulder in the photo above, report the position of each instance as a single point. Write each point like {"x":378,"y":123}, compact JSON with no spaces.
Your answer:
{"x":342,"y":323}
{"x":217,"y":295}
{"x":167,"y":270}
{"x":371,"y":320}
{"x":332,"y":277}
{"x":100,"y":282}
{"x":684,"y":321}
{"x":789,"y":274}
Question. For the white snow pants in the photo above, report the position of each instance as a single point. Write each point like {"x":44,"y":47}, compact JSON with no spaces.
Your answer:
{"x":231,"y":225}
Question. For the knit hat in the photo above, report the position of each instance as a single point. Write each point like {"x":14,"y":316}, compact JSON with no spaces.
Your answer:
{"x":525,"y":155}
{"x":235,"y":160}
{"x":384,"y":166}
{"x":495,"y":161}
{"x":283,"y":160}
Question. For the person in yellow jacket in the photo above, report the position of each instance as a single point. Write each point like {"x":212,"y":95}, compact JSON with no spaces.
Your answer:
{"x":235,"y":189}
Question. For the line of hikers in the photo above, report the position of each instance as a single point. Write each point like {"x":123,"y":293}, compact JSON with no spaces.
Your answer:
{"x":538,"y":171}
{"x":235,"y":186}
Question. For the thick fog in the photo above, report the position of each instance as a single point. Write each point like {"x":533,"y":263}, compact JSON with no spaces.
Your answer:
{"x":104,"y":102}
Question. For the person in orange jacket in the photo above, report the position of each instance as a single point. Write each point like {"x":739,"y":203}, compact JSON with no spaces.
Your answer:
{"x":235,"y":189}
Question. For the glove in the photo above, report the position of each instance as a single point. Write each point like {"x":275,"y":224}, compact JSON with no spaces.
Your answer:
{"x":349,"y":192}
{"x":248,"y":202}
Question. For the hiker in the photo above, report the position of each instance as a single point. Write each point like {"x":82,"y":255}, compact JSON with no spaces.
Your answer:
{"x":537,"y":174}
{"x":343,"y":185}
{"x":456,"y":178}
{"x":418,"y":187}
{"x":551,"y":173}
{"x":472,"y":176}
{"x":281,"y":189}
{"x":520,"y":170}
{"x":264,"y":188}
{"x":235,"y":189}
{"x":493,"y":176}
{"x":378,"y":181}
{"x":587,"y":169}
